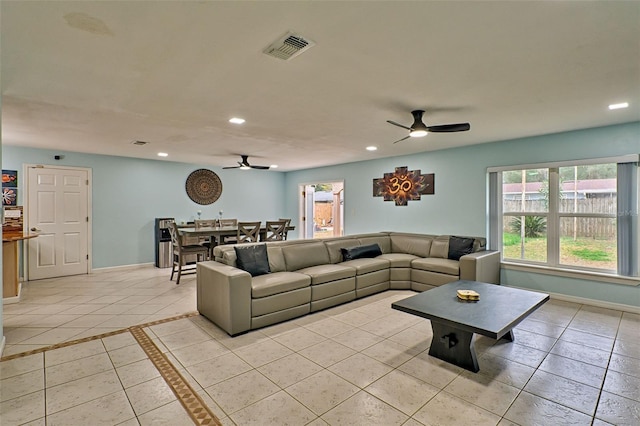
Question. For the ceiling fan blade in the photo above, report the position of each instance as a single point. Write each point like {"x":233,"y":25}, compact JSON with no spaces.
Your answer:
{"x":260,"y":167}
{"x":400,"y":140}
{"x":231,"y":167}
{"x":398,"y":124}
{"x":446,"y":128}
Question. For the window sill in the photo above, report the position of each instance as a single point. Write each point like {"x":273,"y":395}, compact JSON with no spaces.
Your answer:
{"x":570,"y":273}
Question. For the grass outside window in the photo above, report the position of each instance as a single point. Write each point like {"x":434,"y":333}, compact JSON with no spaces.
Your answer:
{"x":583,"y":252}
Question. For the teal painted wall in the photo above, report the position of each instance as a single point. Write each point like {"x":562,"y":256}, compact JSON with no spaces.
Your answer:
{"x":128,"y":194}
{"x":459,"y":205}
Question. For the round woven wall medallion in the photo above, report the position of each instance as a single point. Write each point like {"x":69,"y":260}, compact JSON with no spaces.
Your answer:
{"x":203,"y":186}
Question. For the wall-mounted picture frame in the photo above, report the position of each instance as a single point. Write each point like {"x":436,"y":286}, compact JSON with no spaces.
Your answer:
{"x":9,"y":196}
{"x":403,"y":185}
{"x":9,"y":178}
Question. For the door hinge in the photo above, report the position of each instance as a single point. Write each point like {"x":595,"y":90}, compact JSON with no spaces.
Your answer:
{"x":87,"y":257}
{"x":87,"y":182}
{"x":87,"y":218}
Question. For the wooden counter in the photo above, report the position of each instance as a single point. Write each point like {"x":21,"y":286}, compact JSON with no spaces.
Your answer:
{"x":11,"y":261}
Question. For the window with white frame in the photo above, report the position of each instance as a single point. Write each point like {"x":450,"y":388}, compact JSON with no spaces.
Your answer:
{"x":579,"y":215}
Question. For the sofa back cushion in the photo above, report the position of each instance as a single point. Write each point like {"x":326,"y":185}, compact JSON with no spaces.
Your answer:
{"x":276,"y":258}
{"x":227,"y":254}
{"x":298,"y":256}
{"x":335,"y":246}
{"x":479,"y":244}
{"x":383,"y":241}
{"x":417,"y":245}
{"x":440,"y":247}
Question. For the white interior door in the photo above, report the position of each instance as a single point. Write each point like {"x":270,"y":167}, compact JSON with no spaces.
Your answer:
{"x":58,"y":208}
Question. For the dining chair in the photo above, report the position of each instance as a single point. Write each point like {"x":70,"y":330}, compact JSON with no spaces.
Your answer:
{"x":228,"y":222}
{"x":248,"y":232}
{"x":230,"y":239}
{"x":208,"y":242}
{"x":274,"y":230}
{"x":181,"y":251}
{"x":286,"y":228}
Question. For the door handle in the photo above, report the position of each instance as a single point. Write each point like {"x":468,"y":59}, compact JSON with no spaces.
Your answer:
{"x":35,"y":229}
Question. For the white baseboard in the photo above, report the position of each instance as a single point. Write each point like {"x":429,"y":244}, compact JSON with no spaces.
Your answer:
{"x":14,"y":299}
{"x":590,"y":302}
{"x":123,"y":267}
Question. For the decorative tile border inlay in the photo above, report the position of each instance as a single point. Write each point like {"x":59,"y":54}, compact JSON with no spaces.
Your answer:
{"x":97,"y":336}
{"x":63,"y":345}
{"x":190,"y":400}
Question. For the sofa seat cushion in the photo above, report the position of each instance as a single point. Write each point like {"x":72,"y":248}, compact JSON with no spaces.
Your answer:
{"x":399,"y":260}
{"x":277,"y":282}
{"x":434,"y":264}
{"x":324,"y":273}
{"x":367,"y":265}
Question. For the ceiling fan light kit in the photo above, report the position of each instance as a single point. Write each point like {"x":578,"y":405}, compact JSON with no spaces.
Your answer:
{"x":244,"y":165}
{"x":418,"y":129}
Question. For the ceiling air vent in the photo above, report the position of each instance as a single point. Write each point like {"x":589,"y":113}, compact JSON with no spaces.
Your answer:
{"x":288,"y":46}
{"x":140,"y":143}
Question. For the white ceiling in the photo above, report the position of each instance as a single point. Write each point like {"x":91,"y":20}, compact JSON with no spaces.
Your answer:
{"x":95,"y":76}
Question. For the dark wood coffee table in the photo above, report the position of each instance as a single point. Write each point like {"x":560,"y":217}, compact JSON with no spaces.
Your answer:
{"x":454,"y":321}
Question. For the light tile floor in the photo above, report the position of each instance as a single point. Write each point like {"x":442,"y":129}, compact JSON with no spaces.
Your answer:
{"x":357,"y":364}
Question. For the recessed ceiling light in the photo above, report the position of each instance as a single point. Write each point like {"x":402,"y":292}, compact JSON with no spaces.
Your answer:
{"x":274,"y":166}
{"x":619,"y":106}
{"x":236,"y":120}
{"x":163,"y":154}
{"x":372,"y":148}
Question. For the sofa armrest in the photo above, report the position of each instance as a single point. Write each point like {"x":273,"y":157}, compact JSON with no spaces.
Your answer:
{"x":483,"y":266}
{"x":224,"y":296}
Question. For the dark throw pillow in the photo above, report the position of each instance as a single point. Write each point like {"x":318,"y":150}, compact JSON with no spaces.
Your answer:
{"x":459,"y":246}
{"x":253,"y":259}
{"x":372,"y":250}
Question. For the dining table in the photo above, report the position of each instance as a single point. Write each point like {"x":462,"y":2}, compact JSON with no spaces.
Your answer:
{"x":219,"y":232}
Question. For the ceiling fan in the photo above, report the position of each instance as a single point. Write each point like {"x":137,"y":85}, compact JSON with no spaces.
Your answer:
{"x":418,"y":129}
{"x":244,"y":165}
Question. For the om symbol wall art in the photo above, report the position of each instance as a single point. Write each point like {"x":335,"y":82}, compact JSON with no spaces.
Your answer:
{"x":403,"y":185}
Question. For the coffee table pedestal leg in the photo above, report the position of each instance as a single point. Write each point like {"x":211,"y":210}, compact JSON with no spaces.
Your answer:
{"x":454,"y":346}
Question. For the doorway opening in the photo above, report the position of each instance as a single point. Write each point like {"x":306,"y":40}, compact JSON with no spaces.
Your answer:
{"x":322,"y":209}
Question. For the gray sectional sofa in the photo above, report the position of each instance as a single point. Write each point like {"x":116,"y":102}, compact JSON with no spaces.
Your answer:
{"x":310,"y":275}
